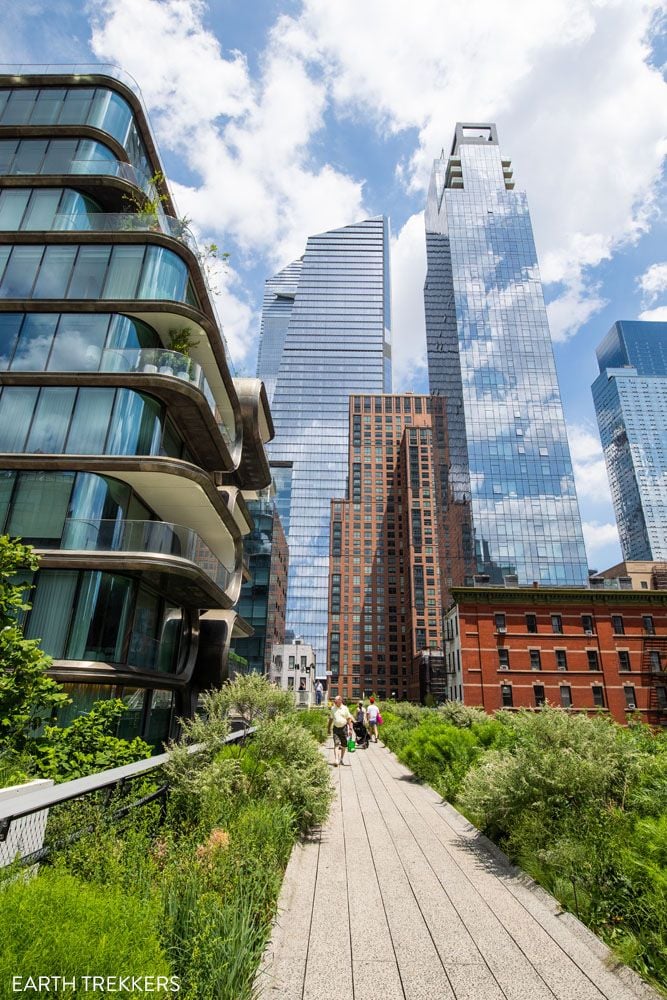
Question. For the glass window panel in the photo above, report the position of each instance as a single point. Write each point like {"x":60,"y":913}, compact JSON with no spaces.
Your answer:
{"x":20,"y":272}
{"x":8,"y":149}
{"x":98,"y":498}
{"x":78,"y":343}
{"x":19,"y":106}
{"x":42,"y":209}
{"x":130,"y":723}
{"x":78,"y":208}
{"x":12,"y":206}
{"x":59,"y":156}
{"x":47,"y":106}
{"x":4,"y":97}
{"x":54,"y":274}
{"x":100,"y":619}
{"x":160,"y":717}
{"x":51,"y":610}
{"x":76,"y":106}
{"x":164,"y":275}
{"x":130,"y":334}
{"x":51,"y":423}
{"x":89,"y":272}
{"x":10,"y":324}
{"x":7,"y":480}
{"x":90,"y":422}
{"x":123,"y":272}
{"x":171,"y":633}
{"x":143,"y":640}
{"x":29,"y":156}
{"x":111,"y":113}
{"x":136,"y":425}
{"x":89,"y":151}
{"x":35,"y":342}
{"x":17,"y":404}
{"x":40,"y":505}
{"x":83,"y":698}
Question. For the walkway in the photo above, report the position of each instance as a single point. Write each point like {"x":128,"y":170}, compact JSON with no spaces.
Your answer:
{"x":399,"y":897}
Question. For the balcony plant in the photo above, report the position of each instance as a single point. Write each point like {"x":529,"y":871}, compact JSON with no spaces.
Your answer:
{"x":181,"y":342}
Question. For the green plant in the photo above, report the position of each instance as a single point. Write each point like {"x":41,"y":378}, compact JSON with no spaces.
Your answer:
{"x":145,"y":208}
{"x":315,"y":721}
{"x":62,"y":925}
{"x":28,"y":696}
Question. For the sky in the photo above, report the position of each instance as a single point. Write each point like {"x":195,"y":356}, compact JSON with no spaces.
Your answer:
{"x":277,"y":119}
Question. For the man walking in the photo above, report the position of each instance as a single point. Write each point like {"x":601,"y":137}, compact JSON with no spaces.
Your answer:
{"x":372,"y":713}
{"x":340,"y":720}
{"x":319,"y":691}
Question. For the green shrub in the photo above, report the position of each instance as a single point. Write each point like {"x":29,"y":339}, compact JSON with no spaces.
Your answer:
{"x":58,"y":924}
{"x":315,"y":720}
{"x":463,"y":716}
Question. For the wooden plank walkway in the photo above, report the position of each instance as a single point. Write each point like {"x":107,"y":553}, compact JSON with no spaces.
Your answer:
{"x":399,"y":898}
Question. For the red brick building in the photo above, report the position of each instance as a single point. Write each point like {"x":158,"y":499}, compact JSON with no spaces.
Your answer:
{"x":388,"y":540}
{"x":517,"y":647}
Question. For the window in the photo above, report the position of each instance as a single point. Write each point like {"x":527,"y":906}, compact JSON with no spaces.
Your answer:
{"x":290,"y":663}
{"x":503,"y":659}
{"x":617,"y":624}
{"x":538,"y":691}
{"x":535,"y":659}
{"x":561,"y":659}
{"x":531,"y":624}
{"x":557,"y":624}
{"x":587,"y":624}
{"x":649,"y":626}
{"x":630,"y":699}
{"x":598,"y":695}
{"x":565,"y":696}
{"x":655,"y":661}
{"x":623,"y":659}
{"x":661,"y":695}
{"x":593,"y":659}
{"x":506,"y":695}
{"x":501,"y":622}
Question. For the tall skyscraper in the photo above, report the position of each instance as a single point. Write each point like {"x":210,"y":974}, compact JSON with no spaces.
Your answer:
{"x":125,"y":444}
{"x":630,"y":396}
{"x":329,"y":321}
{"x":490,"y":356}
{"x":388,"y":547}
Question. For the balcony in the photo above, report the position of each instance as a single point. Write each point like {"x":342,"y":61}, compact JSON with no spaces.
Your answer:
{"x":155,"y":537}
{"x":152,"y":361}
{"x":125,"y":222}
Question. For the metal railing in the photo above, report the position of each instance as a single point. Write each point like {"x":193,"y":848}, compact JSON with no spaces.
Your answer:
{"x":24,"y":815}
{"x":114,"y":222}
{"x":160,"y":537}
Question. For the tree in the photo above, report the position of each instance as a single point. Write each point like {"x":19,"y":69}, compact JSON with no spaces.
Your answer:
{"x":28,"y":696}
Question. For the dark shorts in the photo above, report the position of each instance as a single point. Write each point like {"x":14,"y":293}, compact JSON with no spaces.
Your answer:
{"x":340,"y":736}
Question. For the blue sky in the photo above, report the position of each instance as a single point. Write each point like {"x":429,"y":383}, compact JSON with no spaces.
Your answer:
{"x":280,"y":119}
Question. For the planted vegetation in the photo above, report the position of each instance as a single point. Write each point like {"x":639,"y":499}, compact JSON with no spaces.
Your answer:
{"x":579,"y":803}
{"x":191,"y":895}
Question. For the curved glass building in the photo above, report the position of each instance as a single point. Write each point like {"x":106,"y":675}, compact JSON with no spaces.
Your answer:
{"x":123,"y":459}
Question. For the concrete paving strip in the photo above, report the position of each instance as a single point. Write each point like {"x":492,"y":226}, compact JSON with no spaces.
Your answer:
{"x":398,"y":897}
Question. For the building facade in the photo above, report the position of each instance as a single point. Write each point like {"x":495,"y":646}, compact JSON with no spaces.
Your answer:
{"x":124,"y":442}
{"x":327,"y":318}
{"x":490,"y":356}
{"x":389,"y":542}
{"x":604,"y":649}
{"x":630,"y":397}
{"x":293,"y":667}
{"x":264,"y":595}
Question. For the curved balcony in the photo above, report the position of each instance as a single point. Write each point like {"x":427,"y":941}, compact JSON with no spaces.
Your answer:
{"x":154,"y":537}
{"x":125,"y":222}
{"x":111,"y":168}
{"x":151,"y":361}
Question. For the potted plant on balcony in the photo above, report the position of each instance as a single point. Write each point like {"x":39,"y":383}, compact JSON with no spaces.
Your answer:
{"x":181,"y":342}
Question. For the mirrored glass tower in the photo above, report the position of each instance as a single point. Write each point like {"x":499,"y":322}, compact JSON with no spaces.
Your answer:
{"x":630,"y":396}
{"x":325,"y":336}
{"x":490,"y":355}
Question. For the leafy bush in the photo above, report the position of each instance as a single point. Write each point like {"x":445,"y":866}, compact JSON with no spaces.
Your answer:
{"x":315,"y":721}
{"x":461,"y":715}
{"x":56,"y":923}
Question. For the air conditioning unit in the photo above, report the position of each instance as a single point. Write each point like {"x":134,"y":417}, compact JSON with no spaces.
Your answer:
{"x":502,"y":628}
{"x":588,"y":631}
{"x":631,"y":707}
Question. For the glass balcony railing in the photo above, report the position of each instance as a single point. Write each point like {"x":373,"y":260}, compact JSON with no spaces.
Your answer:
{"x":110,"y":168}
{"x":152,"y":361}
{"x":157,"y":537}
{"x":115,"y":222}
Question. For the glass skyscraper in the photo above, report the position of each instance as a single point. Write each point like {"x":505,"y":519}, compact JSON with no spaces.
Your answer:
{"x":490,"y":355}
{"x":630,"y":396}
{"x":325,"y":336}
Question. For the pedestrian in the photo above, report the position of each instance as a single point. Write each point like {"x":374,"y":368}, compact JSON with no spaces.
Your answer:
{"x":372,"y":713}
{"x":340,"y":720}
{"x":319,"y":691}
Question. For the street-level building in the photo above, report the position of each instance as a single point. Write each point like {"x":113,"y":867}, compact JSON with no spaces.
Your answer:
{"x":125,"y":444}
{"x":264,"y":595}
{"x":293,"y":666}
{"x":603,"y":649}
{"x":390,"y":541}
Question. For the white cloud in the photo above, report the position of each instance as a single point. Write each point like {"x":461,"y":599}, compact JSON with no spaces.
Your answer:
{"x":658,"y":315}
{"x":567,"y":81}
{"x":653,"y":282}
{"x":590,"y":471}
{"x":601,"y":539}
{"x":408,"y":270}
